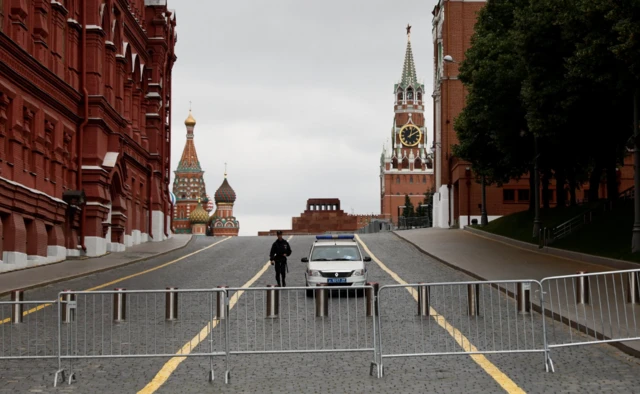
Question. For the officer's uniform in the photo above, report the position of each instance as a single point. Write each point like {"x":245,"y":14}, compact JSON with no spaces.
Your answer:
{"x":279,"y":252}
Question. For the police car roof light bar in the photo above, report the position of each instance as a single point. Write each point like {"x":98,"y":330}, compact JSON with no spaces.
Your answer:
{"x":342,"y":236}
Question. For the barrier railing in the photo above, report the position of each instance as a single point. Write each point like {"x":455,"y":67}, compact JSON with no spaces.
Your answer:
{"x":456,"y":318}
{"x":139,"y":323}
{"x":413,"y":320}
{"x":603,"y":305}
{"x":269,"y":320}
{"x":28,"y":330}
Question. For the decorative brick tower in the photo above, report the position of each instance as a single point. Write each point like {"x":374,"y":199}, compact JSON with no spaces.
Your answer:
{"x":188,"y":185}
{"x":223,"y":223}
{"x":405,"y":165}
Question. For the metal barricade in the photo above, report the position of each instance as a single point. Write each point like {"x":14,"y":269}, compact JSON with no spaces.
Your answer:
{"x":28,"y":329}
{"x":337,"y":322}
{"x":601,"y":305}
{"x":139,"y":323}
{"x":455,"y":318}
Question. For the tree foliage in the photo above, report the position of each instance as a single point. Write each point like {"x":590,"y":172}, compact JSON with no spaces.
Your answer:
{"x":408,"y":210}
{"x":560,"y":73}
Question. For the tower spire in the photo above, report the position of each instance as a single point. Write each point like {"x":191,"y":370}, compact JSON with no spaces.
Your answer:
{"x":409,"y":69}
{"x":225,"y":169}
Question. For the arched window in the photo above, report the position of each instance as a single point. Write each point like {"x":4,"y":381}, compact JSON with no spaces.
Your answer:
{"x":411,"y":179}
{"x":399,"y":96}
{"x":424,"y":179}
{"x":398,"y":179}
{"x":409,"y":94}
{"x":419,"y":95}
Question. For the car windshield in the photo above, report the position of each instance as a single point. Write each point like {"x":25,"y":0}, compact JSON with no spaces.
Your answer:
{"x":335,"y":253}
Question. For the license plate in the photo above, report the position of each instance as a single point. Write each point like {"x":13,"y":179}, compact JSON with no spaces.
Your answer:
{"x":337,"y":280}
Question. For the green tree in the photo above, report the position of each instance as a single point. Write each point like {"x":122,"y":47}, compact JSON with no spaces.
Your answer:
{"x":408,"y":210}
{"x":491,"y":128}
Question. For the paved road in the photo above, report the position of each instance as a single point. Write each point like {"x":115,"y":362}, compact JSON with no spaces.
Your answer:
{"x":235,"y":261}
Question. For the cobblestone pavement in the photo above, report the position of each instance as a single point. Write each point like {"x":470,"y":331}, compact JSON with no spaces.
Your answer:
{"x":597,"y":368}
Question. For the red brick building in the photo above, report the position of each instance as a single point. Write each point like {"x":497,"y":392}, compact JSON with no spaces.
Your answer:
{"x":458,"y":196}
{"x":324,"y":215}
{"x":406,"y":166}
{"x":85,"y":92}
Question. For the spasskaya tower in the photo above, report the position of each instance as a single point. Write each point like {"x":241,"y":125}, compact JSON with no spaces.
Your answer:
{"x":405,"y":165}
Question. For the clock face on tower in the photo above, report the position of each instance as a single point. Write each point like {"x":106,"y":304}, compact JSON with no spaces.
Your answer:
{"x":410,"y":135}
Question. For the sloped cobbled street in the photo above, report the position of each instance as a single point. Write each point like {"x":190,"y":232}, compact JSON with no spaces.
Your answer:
{"x":233,"y":262}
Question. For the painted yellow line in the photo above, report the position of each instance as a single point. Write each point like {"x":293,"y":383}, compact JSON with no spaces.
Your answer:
{"x":113,"y":282}
{"x":167,"y":369}
{"x":500,"y":377}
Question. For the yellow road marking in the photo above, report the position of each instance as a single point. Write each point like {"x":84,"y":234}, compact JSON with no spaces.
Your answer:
{"x":42,"y":306}
{"x":500,"y":377}
{"x":170,"y":366}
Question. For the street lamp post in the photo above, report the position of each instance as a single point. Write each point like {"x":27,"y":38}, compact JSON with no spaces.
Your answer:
{"x":483,"y":218}
{"x":635,"y":240}
{"x":536,"y":193}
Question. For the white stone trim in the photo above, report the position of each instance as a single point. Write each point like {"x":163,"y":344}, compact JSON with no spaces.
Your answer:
{"x":465,"y":222}
{"x":94,"y":168}
{"x":33,"y":190}
{"x":157,"y":225}
{"x":115,"y":247}
{"x":96,"y":246}
{"x":13,"y":260}
{"x":56,"y":253}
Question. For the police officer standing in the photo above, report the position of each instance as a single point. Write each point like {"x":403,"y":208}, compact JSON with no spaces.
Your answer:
{"x":278,"y":256}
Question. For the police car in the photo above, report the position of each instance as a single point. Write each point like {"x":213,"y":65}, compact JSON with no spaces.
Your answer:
{"x":335,"y":260}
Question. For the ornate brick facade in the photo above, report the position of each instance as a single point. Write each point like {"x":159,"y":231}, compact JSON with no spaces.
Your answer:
{"x":406,"y":166}
{"x":85,"y":91}
{"x":223,"y":223}
{"x":188,"y":185}
{"x":324,"y":215}
{"x":458,"y":197}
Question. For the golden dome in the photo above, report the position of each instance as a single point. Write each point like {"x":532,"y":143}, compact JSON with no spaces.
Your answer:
{"x":199,"y":215}
{"x":190,"y":120}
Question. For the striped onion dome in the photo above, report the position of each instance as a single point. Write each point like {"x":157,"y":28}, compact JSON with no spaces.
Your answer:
{"x":225,"y":193}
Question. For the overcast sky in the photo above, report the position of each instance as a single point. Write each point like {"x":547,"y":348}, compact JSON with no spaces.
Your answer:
{"x":296,"y":96}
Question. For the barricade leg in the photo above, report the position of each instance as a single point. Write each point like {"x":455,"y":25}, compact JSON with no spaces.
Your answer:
{"x":66,"y":314}
{"x":633,"y":296}
{"x":524,"y":298}
{"x":171,"y":304}
{"x":423,"y":300}
{"x":68,"y":307}
{"x":119,"y":305}
{"x":322,"y":300}
{"x":17,"y":309}
{"x":372,"y":298}
{"x":473,"y":296}
{"x":221,"y":304}
{"x":582,"y":288}
{"x":220,"y":315}
{"x":273,"y":302}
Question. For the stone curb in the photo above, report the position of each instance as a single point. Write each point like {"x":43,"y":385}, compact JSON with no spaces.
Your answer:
{"x":555,"y":316}
{"x":124,"y":264}
{"x":567,"y":254}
